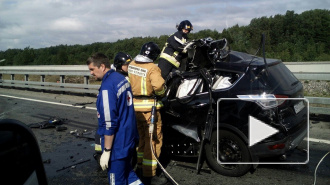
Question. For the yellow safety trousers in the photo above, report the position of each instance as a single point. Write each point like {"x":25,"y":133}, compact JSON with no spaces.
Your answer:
{"x":145,"y":159}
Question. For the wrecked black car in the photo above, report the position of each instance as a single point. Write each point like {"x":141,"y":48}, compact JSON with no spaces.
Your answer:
{"x":199,"y":121}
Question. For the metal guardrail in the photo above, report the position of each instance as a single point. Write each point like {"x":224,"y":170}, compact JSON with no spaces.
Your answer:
{"x":319,"y":101}
{"x":43,"y":71}
{"x":302,"y":70}
{"x":310,"y":70}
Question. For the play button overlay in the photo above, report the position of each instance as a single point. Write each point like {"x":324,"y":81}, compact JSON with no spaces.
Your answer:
{"x":259,"y":131}
{"x":243,"y":137}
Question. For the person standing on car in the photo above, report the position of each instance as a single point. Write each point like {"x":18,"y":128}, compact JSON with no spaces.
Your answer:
{"x":116,"y":121}
{"x":147,"y":82}
{"x":174,"y":49}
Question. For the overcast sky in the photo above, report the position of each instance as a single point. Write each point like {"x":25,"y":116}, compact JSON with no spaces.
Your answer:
{"x":45,"y":23}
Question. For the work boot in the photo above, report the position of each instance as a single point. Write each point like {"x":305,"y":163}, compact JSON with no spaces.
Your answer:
{"x":155,"y":180}
{"x":159,"y":180}
{"x":146,"y":180}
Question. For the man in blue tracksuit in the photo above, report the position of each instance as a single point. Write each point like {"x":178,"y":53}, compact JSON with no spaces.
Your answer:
{"x":116,"y":121}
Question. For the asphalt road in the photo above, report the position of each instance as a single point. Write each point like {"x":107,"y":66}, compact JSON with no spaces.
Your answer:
{"x":68,"y":158}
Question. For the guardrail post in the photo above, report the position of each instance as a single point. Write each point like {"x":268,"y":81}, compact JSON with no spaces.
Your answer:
{"x":26,"y":78}
{"x":62,"y":80}
{"x":86,"y":80}
{"x":42,"y":79}
{"x":12,"y":77}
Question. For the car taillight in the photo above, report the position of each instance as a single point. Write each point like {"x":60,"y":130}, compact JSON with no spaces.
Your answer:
{"x":281,"y":99}
{"x":265,"y":101}
{"x":277,"y":146}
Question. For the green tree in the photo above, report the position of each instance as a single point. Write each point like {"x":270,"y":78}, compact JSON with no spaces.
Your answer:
{"x":25,"y":58}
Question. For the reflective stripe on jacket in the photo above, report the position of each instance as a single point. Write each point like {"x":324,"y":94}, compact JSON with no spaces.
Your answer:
{"x":173,"y":47}
{"x":146,"y":81}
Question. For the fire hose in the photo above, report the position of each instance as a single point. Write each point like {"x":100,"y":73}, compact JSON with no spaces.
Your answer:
{"x":151,"y":130}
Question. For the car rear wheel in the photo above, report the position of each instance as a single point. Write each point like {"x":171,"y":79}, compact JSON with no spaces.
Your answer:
{"x":231,"y":149}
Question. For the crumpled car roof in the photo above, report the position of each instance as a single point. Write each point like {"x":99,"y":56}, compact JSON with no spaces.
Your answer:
{"x":238,"y":61}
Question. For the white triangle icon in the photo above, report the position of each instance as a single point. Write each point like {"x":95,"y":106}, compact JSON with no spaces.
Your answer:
{"x":259,"y":131}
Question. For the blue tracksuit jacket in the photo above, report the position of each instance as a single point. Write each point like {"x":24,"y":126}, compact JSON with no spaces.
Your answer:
{"x":116,"y":114}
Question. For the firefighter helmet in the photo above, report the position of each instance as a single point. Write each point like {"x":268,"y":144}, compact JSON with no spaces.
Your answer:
{"x":121,"y":59}
{"x":185,"y":25}
{"x":149,"y":50}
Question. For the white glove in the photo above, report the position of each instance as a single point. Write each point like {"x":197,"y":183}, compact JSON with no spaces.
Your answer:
{"x":104,"y":160}
{"x":187,"y":46}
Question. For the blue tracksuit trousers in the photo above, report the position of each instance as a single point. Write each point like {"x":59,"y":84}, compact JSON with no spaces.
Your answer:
{"x":120,"y":172}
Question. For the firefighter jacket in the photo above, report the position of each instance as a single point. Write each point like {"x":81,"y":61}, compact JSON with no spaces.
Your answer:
{"x":115,"y":112}
{"x":173,"y":48}
{"x":146,"y":81}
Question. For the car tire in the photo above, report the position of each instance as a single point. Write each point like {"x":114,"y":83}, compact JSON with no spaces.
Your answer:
{"x":231,"y":149}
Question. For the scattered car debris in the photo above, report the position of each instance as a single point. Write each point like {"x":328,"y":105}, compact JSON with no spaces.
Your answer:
{"x":47,"y":161}
{"x":73,"y":165}
{"x":302,"y":149}
{"x":82,"y":104}
{"x":84,"y":134}
{"x":61,"y":128}
{"x":187,"y":166}
{"x":53,"y":122}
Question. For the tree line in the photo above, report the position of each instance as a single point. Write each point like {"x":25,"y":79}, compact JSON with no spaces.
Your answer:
{"x":290,"y":37}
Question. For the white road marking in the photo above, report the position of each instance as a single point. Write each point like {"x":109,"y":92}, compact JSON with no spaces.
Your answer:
{"x":49,"y":102}
{"x":319,"y":140}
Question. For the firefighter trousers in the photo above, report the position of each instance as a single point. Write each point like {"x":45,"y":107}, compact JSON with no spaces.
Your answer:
{"x":145,"y":159}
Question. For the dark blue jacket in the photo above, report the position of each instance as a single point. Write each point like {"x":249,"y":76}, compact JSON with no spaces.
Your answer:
{"x":115,"y":112}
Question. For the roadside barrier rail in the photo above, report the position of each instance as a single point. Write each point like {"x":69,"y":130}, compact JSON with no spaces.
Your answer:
{"x":43,"y":71}
{"x":319,"y":105}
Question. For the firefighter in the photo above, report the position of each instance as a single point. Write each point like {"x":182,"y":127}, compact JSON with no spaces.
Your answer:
{"x":121,"y":62}
{"x":147,"y":82}
{"x":174,"y":50}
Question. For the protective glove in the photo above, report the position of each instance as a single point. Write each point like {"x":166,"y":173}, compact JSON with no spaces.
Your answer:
{"x":104,"y":160}
{"x":187,"y":46}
